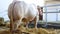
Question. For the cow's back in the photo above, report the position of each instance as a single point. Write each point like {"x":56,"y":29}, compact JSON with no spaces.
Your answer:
{"x":17,"y":10}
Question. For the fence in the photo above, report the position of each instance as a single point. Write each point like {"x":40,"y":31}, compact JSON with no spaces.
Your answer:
{"x":52,"y":9}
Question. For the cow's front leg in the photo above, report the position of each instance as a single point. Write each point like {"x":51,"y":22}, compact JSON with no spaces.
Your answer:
{"x":27,"y":25}
{"x":35,"y":23}
{"x":36,"y":20}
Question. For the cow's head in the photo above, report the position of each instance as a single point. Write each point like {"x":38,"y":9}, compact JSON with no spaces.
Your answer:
{"x":40,"y":10}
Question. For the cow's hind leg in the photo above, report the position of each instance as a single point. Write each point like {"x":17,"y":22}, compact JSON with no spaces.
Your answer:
{"x":16,"y":24}
{"x":11,"y":25}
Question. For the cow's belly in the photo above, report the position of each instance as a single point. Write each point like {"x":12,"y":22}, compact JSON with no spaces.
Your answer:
{"x":30,"y":16}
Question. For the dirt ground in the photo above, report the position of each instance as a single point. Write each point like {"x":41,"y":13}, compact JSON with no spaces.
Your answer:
{"x":24,"y":30}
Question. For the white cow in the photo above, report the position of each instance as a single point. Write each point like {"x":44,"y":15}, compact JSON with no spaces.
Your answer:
{"x":20,"y":12}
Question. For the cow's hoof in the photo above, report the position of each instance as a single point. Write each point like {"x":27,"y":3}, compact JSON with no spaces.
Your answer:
{"x":15,"y":31}
{"x":24,"y":25}
{"x":24,"y":33}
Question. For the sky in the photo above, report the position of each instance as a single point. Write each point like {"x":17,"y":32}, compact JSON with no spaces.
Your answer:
{"x":5,"y":3}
